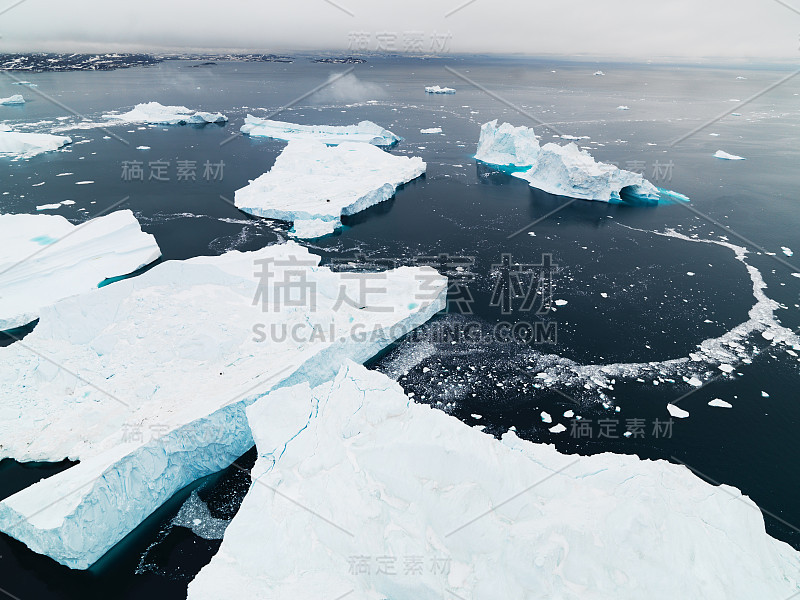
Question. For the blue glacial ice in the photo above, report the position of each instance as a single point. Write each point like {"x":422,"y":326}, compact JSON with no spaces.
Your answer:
{"x":146,"y":381}
{"x":562,"y":170}
{"x":353,"y":472}
{"x":365,"y":132}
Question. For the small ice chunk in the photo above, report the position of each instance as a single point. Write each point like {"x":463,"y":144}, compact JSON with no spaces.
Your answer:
{"x":431,"y":130}
{"x":435,"y":89}
{"x":546,"y":418}
{"x":12,"y":100}
{"x":726,"y":368}
{"x":558,"y":428}
{"x":725,"y":156}
{"x":676,"y":412}
{"x":561,"y":302}
{"x":719,"y":403}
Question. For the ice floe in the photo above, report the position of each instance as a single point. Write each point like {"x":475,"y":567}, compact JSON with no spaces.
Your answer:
{"x":366,"y":131}
{"x":45,"y":258}
{"x":145,"y":381}
{"x":12,"y":100}
{"x":313,"y":185}
{"x":153,"y":112}
{"x":561,"y":170}
{"x":354,"y":480}
{"x":26,"y":145}
{"x":725,"y":156}
{"x":431,"y":130}
{"x":435,"y":89}
{"x":719,"y":403}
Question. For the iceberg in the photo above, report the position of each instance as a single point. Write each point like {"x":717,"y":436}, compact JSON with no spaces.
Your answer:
{"x":155,"y":113}
{"x":507,"y":146}
{"x":435,"y":89}
{"x":366,"y":132}
{"x":314,"y":185}
{"x":561,"y":170}
{"x":146,"y":381}
{"x":431,"y":130}
{"x":725,"y":156}
{"x":11,"y":100}
{"x":26,"y":145}
{"x":45,"y":258}
{"x":354,"y":482}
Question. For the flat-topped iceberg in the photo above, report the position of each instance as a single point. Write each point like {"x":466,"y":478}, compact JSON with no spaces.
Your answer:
{"x":45,"y":258}
{"x":366,"y":131}
{"x":354,"y":482}
{"x":11,"y":100}
{"x":561,"y":170}
{"x":26,"y":145}
{"x":435,"y":89}
{"x":155,"y":113}
{"x":313,"y":185}
{"x":146,"y":381}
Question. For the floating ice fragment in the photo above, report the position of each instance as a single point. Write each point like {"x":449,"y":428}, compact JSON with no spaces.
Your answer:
{"x":677,"y":412}
{"x":16,"y":99}
{"x":318,"y":184}
{"x":725,"y":156}
{"x":153,"y":112}
{"x":546,"y":418}
{"x":435,"y":89}
{"x":366,"y":132}
{"x":431,"y":130}
{"x":719,"y":403}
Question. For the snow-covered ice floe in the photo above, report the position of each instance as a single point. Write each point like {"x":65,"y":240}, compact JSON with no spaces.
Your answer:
{"x":145,"y":381}
{"x":153,"y":112}
{"x":26,"y":145}
{"x":353,"y":477}
{"x":725,"y":156}
{"x":562,"y":170}
{"x":366,"y":131}
{"x":435,"y":89}
{"x":12,"y":100}
{"x":431,"y":130}
{"x":313,"y":185}
{"x":45,"y":258}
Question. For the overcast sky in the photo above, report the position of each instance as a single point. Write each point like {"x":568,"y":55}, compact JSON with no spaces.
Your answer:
{"x":631,"y":29}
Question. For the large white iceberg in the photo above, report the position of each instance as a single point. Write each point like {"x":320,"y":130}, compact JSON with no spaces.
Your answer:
{"x":26,"y":145}
{"x":561,"y":170}
{"x":314,"y":185}
{"x":366,"y":131}
{"x":146,"y":381}
{"x":45,"y":258}
{"x":358,"y":492}
{"x":153,"y":112}
{"x":12,"y":100}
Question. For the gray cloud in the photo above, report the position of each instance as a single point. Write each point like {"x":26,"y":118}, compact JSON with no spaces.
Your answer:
{"x":637,"y":30}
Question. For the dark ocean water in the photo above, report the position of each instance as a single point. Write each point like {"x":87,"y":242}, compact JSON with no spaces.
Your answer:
{"x":631,"y":295}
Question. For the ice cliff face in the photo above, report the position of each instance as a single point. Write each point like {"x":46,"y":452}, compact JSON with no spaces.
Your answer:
{"x":146,"y":381}
{"x":15,"y":144}
{"x":561,"y":170}
{"x":360,"y":492}
{"x":45,"y":258}
{"x":314,"y":185}
{"x":153,"y":112}
{"x":365,"y":132}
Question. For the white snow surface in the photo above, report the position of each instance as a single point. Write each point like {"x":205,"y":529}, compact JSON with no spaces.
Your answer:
{"x":11,"y":100}
{"x":366,"y":132}
{"x":312,"y":183}
{"x":45,"y":258}
{"x":26,"y":145}
{"x":725,"y":156}
{"x":145,"y":381}
{"x":153,"y":112}
{"x":560,"y":170}
{"x":353,"y":470}
{"x":435,"y":89}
